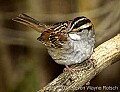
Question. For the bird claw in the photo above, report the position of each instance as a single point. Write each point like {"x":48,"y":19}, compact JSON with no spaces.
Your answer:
{"x":90,"y":60}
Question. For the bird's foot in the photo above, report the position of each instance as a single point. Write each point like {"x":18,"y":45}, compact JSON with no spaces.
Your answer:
{"x":72,"y":71}
{"x":90,"y":60}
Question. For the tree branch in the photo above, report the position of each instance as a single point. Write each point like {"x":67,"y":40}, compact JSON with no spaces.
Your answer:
{"x":103,"y":56}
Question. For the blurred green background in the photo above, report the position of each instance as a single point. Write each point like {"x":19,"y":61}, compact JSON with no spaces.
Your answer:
{"x":25,"y":65}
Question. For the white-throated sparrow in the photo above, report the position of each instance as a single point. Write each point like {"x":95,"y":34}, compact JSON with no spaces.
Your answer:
{"x":68,"y":42}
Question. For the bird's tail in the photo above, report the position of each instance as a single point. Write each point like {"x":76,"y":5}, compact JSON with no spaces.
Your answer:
{"x":30,"y":22}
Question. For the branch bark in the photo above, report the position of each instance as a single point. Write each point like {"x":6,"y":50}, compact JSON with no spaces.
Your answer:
{"x":103,"y":56}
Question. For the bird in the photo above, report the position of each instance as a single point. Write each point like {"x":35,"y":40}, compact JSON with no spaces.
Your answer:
{"x":68,"y":42}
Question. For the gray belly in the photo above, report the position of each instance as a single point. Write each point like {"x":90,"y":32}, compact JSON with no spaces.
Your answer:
{"x":74,"y":53}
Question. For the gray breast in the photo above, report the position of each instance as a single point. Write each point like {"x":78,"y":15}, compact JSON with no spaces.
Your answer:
{"x":73,"y":52}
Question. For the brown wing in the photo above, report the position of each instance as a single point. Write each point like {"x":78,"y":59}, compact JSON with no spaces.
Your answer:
{"x":53,"y":39}
{"x":44,"y":38}
{"x":58,"y":39}
{"x":56,"y":35}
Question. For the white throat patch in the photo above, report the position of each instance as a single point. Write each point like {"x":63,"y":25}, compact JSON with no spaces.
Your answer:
{"x":74,"y":36}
